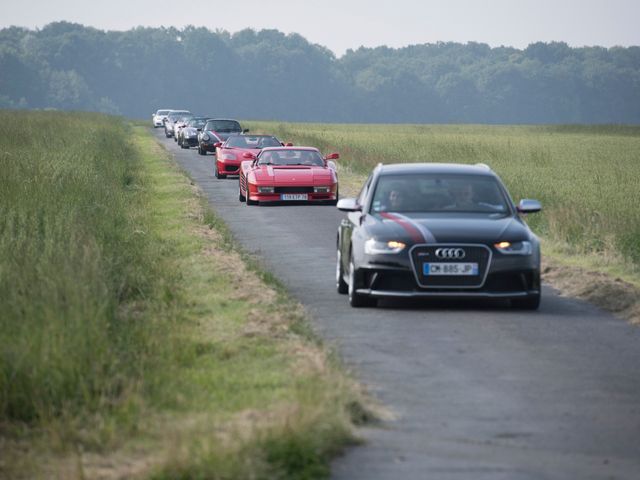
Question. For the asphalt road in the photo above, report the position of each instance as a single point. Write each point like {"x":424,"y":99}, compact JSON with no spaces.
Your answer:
{"x":479,"y":391}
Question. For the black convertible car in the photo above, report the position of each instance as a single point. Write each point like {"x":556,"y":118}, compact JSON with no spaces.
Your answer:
{"x":217,"y":130}
{"x":437,"y":230}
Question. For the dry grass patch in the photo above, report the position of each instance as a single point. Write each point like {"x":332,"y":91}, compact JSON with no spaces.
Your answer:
{"x":610,"y":293}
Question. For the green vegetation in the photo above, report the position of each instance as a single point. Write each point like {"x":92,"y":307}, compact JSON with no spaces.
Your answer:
{"x":269,"y":75}
{"x":586,"y":177}
{"x":135,"y":340}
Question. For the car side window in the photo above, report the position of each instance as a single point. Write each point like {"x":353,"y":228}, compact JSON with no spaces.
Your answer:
{"x":365,"y":189}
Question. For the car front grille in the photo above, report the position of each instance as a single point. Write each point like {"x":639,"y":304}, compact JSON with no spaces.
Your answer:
{"x":422,"y":254}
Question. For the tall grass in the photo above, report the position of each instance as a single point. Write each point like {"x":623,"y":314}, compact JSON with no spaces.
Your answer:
{"x":587,"y":177}
{"x":73,"y":256}
{"x":131,"y":326}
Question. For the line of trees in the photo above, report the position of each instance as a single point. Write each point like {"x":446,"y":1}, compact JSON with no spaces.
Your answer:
{"x":270,"y":75}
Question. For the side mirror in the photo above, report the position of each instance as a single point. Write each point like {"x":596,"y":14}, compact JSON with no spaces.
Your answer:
{"x":199,"y":129}
{"x":349,"y":205}
{"x":218,"y":144}
{"x":248,"y":156}
{"x":246,"y":130}
{"x":288,"y":144}
{"x":528,"y":205}
{"x":332,"y":156}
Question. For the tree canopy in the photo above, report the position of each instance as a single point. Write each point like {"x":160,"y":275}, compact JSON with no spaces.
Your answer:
{"x":269,"y":75}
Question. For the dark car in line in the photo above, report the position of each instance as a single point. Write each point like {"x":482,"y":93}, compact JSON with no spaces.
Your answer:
{"x":217,"y":130}
{"x":440,"y":231}
{"x":229,"y":154}
{"x":188,"y":135}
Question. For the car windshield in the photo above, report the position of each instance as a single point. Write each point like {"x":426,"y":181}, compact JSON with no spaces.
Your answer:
{"x":175,"y":115}
{"x":439,"y":193}
{"x":256,"y":141}
{"x":196,"y":122}
{"x":291,"y":156}
{"x":162,"y":112}
{"x":223,"y":126}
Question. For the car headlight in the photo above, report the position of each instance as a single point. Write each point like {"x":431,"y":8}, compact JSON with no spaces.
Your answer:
{"x":514,"y":248}
{"x":265,"y":189}
{"x":206,"y":137}
{"x":228,"y":156}
{"x":375,"y":247}
{"x":321,"y":189}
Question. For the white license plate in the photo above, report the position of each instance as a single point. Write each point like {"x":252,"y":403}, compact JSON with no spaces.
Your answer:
{"x":450,"y":269}
{"x":294,"y":196}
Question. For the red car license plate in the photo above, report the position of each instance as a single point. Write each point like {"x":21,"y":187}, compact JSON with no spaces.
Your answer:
{"x":294,"y":196}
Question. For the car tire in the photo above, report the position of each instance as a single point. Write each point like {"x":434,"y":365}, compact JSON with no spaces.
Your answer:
{"x":334,"y":202}
{"x":341,"y":285}
{"x":166,"y":134}
{"x":358,"y":300}
{"x":201,"y":151}
{"x":183,"y":145}
{"x":528,"y":303}
{"x":216,"y":172}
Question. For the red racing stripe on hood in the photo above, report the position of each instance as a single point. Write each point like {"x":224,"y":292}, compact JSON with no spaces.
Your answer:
{"x":415,"y":234}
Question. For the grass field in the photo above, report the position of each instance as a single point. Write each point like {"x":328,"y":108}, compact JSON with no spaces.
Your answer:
{"x":587,"y":177}
{"x":129,"y":344}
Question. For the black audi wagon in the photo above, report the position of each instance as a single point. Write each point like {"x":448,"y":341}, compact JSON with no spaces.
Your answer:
{"x":437,"y":230}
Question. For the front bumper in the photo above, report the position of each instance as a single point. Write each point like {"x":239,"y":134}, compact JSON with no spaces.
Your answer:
{"x":277,"y":198}
{"x":208,"y":147}
{"x":508,"y":277}
{"x":229,"y":167}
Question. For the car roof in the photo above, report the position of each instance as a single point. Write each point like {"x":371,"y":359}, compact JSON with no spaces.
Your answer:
{"x":226,"y":119}
{"x":435,"y":168}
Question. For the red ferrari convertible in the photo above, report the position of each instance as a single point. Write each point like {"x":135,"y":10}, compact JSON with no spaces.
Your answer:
{"x":288,"y":174}
{"x":229,"y":154}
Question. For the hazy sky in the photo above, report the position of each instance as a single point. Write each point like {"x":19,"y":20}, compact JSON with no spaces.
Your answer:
{"x":343,"y":24}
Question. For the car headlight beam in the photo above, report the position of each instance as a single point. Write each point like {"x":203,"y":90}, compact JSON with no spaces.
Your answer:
{"x":376,"y":247}
{"x":514,"y":248}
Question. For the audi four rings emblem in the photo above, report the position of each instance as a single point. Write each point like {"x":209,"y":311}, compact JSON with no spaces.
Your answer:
{"x":450,"y":253}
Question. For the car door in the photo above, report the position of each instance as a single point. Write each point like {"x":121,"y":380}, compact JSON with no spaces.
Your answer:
{"x":350,"y":224}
